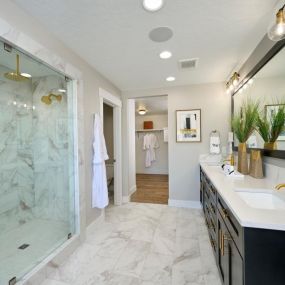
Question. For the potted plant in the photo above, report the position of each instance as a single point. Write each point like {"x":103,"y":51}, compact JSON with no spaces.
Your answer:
{"x":243,"y":125}
{"x":270,"y":128}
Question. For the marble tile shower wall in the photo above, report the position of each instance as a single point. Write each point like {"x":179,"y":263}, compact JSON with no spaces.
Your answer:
{"x":33,"y":153}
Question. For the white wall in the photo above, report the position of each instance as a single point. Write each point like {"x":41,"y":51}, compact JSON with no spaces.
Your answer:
{"x":160,"y":166}
{"x":92,"y":80}
{"x":184,"y":157}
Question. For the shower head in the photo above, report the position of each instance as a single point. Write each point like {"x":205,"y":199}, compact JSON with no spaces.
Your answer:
{"x":48,"y":99}
{"x":16,"y":75}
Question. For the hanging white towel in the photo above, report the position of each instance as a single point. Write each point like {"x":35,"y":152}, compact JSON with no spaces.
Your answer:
{"x":215,"y":145}
{"x":99,"y":185}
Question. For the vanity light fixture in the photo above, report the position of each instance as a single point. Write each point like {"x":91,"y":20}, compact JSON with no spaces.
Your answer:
{"x":152,"y":5}
{"x":142,"y":111}
{"x":165,"y":54}
{"x":170,"y":78}
{"x":233,"y":82}
{"x":277,"y":31}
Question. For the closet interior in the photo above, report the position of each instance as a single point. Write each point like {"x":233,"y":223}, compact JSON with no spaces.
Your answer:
{"x":151,"y":140}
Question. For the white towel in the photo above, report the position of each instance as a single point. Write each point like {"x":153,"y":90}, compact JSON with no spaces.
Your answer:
{"x":99,"y":185}
{"x":215,"y":145}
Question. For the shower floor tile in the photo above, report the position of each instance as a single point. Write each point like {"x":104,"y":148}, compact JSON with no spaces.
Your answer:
{"x":42,"y":236}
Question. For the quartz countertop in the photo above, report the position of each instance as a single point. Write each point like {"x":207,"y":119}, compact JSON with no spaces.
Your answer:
{"x":246,"y":215}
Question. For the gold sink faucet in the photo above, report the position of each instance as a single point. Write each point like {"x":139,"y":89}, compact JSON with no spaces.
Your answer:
{"x":279,"y":186}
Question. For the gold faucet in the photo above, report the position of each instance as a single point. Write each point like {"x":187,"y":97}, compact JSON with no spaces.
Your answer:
{"x":279,"y":186}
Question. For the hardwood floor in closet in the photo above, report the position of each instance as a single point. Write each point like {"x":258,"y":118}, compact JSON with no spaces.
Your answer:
{"x":151,"y":188}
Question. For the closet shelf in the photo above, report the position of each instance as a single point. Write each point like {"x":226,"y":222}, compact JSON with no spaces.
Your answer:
{"x":149,"y":130}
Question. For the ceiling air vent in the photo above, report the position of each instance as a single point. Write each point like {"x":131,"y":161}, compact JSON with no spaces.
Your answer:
{"x":188,"y":63}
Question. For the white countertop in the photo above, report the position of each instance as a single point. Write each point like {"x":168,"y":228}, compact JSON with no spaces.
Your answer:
{"x":246,"y":215}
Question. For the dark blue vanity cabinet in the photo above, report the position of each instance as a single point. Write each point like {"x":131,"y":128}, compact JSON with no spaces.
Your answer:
{"x":244,"y":256}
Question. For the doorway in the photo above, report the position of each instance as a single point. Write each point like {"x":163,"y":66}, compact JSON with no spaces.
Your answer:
{"x":151,"y":150}
{"x":110,"y":112}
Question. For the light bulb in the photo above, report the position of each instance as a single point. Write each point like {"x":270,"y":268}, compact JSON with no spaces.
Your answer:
{"x":142,"y":111}
{"x":277,"y":31}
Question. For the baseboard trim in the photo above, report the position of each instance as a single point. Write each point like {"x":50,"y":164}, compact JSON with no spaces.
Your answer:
{"x":184,"y":204}
{"x":133,"y":190}
{"x":126,"y":199}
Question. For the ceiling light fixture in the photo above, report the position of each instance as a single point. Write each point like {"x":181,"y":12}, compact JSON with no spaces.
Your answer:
{"x":27,"y":75}
{"x":277,"y":31}
{"x":61,"y":90}
{"x":165,"y":54}
{"x":142,"y":111}
{"x":152,"y":5}
{"x":170,"y":78}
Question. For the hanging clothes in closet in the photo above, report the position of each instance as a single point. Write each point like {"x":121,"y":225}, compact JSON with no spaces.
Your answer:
{"x":150,"y":143}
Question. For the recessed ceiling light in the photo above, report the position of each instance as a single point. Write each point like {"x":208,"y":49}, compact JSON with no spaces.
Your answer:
{"x":170,"y":78}
{"x":27,"y":75}
{"x":142,"y":111}
{"x":165,"y":54}
{"x":153,"y":5}
{"x":61,"y":90}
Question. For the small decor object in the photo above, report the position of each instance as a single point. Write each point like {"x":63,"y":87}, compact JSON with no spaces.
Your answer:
{"x":148,"y":125}
{"x":272,"y":126}
{"x":188,"y":125}
{"x":256,"y":167}
{"x":243,"y":125}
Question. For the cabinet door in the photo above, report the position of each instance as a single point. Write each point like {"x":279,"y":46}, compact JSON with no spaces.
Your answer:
{"x":223,"y":257}
{"x":229,"y":260}
{"x":235,"y":264}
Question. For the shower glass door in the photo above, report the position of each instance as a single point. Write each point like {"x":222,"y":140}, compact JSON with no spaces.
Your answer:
{"x":37,"y":203}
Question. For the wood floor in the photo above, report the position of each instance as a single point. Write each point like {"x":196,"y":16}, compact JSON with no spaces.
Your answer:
{"x":151,"y":188}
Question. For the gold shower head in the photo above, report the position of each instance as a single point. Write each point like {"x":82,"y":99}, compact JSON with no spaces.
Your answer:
{"x":48,"y":99}
{"x":16,"y":75}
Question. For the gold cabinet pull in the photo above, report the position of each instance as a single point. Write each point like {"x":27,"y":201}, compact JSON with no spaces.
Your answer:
{"x":225,"y":213}
{"x":220,"y":238}
{"x":222,"y":245}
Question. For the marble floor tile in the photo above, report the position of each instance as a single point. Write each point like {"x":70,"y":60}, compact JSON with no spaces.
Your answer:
{"x":142,"y":244}
{"x":164,"y":241}
{"x":157,"y":269}
{"x":53,"y":282}
{"x":132,"y":261}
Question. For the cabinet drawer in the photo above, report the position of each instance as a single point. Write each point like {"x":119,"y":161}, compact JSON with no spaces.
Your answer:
{"x":234,"y":228}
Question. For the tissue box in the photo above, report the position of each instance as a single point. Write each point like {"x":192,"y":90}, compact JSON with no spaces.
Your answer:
{"x":148,"y":125}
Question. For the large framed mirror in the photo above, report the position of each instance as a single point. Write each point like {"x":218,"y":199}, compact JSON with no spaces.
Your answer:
{"x":265,"y":83}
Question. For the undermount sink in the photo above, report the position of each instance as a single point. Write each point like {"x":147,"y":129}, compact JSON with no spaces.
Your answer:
{"x":261,"y":200}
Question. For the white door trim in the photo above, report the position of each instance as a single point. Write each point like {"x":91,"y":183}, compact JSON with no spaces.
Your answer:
{"x":116,"y":103}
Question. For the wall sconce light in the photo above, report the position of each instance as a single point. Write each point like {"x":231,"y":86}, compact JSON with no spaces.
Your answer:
{"x":277,"y":31}
{"x":233,"y":82}
{"x":142,"y":111}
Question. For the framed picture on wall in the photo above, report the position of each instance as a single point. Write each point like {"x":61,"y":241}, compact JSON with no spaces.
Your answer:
{"x":270,"y":110}
{"x":188,"y":125}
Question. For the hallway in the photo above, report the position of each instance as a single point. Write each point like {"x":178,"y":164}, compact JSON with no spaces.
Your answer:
{"x":151,"y":188}
{"x":142,"y":244}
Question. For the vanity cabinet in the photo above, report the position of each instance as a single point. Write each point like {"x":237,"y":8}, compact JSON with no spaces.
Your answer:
{"x":244,"y":256}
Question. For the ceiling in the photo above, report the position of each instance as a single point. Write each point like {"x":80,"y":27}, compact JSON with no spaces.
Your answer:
{"x":154,"y":105}
{"x":112,"y":36}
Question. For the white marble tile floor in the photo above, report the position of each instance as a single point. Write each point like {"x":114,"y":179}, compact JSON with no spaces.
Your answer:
{"x":142,"y":244}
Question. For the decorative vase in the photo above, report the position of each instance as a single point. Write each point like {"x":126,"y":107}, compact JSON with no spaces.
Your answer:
{"x":242,"y":159}
{"x":270,"y":145}
{"x":256,"y":167}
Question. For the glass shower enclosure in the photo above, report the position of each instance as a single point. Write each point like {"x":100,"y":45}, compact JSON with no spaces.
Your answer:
{"x":37,"y":192}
